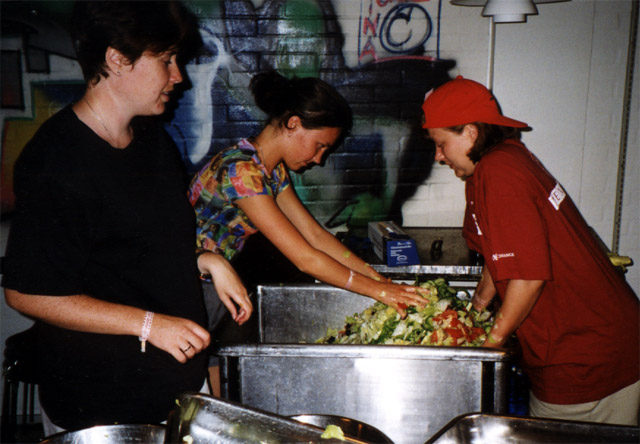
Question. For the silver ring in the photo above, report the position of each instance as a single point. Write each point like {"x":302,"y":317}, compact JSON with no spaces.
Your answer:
{"x":186,"y":349}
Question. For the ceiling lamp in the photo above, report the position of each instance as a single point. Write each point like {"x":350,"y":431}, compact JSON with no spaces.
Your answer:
{"x":502,"y":11}
{"x":506,"y":11}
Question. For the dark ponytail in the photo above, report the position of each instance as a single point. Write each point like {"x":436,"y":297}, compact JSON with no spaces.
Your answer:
{"x":314,"y":101}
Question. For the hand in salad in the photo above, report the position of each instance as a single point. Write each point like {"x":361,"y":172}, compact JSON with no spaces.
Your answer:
{"x":519,"y":300}
{"x":399,"y":296}
{"x":485,"y":291}
{"x":447,"y":319}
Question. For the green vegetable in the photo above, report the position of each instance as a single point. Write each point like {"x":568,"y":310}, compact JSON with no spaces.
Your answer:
{"x":333,"y":432}
{"x":446,"y":319}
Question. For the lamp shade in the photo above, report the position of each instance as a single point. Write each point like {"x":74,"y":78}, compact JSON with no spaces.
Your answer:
{"x":506,"y":11}
{"x":484,"y":2}
{"x":509,"y":11}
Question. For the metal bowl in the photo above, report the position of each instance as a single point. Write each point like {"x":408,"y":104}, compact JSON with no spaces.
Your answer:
{"x":350,"y":427}
{"x":207,"y":419}
{"x":112,"y":434}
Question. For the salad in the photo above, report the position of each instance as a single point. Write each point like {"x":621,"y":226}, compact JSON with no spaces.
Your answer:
{"x":448,"y":319}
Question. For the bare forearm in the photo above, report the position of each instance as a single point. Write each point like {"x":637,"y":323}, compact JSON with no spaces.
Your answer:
{"x":327,"y":270}
{"x":78,"y":312}
{"x":330,"y":245}
{"x":485,"y":291}
{"x":519,"y":300}
{"x":182,"y":338}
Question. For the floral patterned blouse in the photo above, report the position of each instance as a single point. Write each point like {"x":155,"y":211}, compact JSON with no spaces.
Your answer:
{"x":234,"y":173}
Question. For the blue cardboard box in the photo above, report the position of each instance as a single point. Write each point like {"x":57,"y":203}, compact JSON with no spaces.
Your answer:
{"x":392,"y":245}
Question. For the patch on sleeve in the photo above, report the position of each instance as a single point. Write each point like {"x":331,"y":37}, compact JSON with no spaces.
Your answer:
{"x":556,"y":196}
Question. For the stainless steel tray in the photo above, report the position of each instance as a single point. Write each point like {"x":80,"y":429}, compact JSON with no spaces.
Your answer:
{"x":407,"y":392}
{"x":477,"y":428}
{"x":112,"y":434}
{"x":200,"y":418}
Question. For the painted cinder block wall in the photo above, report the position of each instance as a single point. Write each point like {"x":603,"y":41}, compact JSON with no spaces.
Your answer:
{"x":563,"y":72}
{"x":385,"y":157}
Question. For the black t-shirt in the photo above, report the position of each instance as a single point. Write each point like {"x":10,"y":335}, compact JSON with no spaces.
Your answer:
{"x":114,"y":224}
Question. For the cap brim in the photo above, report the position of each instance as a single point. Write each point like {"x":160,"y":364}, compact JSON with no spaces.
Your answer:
{"x":506,"y":121}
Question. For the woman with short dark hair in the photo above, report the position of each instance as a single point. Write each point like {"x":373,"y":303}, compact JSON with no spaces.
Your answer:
{"x":101,"y":250}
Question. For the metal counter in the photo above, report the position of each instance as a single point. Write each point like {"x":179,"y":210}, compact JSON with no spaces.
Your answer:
{"x":408,"y":392}
{"x":442,"y":252}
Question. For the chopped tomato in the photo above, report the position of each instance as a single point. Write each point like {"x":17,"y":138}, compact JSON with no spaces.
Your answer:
{"x":454,"y":333}
{"x":447,"y":314}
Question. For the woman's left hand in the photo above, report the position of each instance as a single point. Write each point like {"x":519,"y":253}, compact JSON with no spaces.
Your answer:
{"x":228,"y":285}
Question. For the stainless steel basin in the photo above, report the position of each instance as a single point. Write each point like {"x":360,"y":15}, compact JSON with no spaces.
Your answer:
{"x":350,"y":427}
{"x":111,"y":434}
{"x":200,"y":419}
{"x":477,"y":428}
{"x":407,"y":392}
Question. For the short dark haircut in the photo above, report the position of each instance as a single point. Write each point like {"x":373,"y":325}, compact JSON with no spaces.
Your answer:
{"x":314,"y":101}
{"x":488,"y":136}
{"x":131,"y":27}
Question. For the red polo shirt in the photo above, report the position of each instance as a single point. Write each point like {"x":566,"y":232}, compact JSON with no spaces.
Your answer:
{"x":581,"y":341}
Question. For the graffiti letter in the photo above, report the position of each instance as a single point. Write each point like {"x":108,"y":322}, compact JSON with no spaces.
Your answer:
{"x":371,"y":25}
{"x":369,"y":49}
{"x":397,"y":30}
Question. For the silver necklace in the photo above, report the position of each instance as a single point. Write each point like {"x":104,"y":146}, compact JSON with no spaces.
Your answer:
{"x":113,"y":140}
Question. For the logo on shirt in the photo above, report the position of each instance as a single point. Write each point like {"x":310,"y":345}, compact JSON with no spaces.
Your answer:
{"x":556,"y":196}
{"x":497,"y":256}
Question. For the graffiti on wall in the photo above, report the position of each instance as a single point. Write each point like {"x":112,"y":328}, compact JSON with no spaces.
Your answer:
{"x":384,"y":69}
{"x":395,"y":29}
{"x":382,"y":55}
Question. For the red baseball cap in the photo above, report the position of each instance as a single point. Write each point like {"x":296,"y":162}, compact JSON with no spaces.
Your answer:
{"x":461,"y":101}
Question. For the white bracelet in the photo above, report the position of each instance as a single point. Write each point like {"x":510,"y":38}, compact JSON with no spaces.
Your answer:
{"x":146,"y":330}
{"x":350,"y":280}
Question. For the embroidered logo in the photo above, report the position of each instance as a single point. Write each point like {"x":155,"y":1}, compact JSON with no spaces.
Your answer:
{"x":497,"y":256}
{"x":556,"y":196}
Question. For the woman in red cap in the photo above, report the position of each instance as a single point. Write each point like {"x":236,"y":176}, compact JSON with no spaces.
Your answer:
{"x":575,"y":316}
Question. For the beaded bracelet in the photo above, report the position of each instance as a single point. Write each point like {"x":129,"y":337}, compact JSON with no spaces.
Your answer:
{"x":146,"y":330}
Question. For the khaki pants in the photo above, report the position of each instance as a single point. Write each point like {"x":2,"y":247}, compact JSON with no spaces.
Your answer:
{"x":621,"y":407}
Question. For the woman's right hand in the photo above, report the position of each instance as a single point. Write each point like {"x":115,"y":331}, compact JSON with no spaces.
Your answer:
{"x":180,"y":337}
{"x":399,"y":296}
{"x":228,"y":285}
{"x":485,"y":291}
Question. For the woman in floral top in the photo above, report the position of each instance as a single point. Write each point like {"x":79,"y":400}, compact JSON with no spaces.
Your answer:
{"x":246,"y":188}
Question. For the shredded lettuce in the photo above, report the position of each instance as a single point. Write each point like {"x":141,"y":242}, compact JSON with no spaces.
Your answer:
{"x":447,"y":319}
